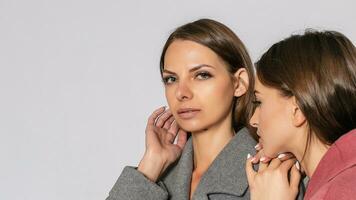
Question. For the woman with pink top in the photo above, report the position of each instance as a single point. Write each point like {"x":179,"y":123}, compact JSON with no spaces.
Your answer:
{"x":305,"y":104}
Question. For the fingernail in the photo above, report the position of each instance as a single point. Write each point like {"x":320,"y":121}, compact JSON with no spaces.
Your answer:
{"x":281,"y":155}
{"x":263,"y":159}
{"x":248,"y":156}
{"x":257,"y":146}
{"x":253,"y":159}
{"x":297,"y":165}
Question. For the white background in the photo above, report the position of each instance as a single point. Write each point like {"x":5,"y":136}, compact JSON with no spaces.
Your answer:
{"x":78,"y":79}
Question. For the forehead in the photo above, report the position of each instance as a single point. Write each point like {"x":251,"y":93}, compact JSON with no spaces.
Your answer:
{"x":266,"y":91}
{"x":261,"y":89}
{"x":185,"y":52}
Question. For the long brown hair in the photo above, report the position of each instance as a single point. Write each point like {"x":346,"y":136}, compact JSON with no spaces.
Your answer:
{"x":318,"y":68}
{"x":224,"y":42}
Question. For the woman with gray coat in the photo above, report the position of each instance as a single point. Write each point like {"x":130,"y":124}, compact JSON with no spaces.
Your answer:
{"x":197,"y":148}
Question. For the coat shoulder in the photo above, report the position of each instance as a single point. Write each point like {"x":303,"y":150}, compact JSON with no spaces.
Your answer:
{"x":342,"y":186}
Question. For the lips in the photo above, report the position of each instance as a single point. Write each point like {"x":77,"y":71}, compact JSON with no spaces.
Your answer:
{"x":187,"y":113}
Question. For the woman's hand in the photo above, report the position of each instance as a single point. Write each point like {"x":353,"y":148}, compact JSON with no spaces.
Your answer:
{"x":277,"y":180}
{"x":261,"y":157}
{"x":161,"y":150}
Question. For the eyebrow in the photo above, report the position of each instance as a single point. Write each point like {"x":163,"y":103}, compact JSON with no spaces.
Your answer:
{"x":193,"y":69}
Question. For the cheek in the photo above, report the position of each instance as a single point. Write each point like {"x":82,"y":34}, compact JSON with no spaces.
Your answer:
{"x":215,"y":99}
{"x":217,"y":96}
{"x":274,"y":127}
{"x":170,"y":96}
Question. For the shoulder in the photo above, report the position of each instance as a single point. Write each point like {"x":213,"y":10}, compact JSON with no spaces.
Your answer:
{"x":345,"y":178}
{"x":343,"y":186}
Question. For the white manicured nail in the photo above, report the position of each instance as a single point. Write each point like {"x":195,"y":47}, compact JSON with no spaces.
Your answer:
{"x":257,"y":146}
{"x":297,"y":165}
{"x":282,"y":155}
{"x":263,"y":159}
{"x":248,"y":156}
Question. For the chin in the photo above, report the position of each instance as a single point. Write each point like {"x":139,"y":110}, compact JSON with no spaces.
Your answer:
{"x":192,"y":129}
{"x":270,"y":153}
{"x":190,"y":126}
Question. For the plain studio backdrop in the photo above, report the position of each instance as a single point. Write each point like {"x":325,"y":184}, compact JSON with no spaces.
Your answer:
{"x":78,"y":79}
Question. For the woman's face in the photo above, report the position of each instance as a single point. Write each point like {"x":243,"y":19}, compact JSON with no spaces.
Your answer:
{"x":273,"y":118}
{"x":198,"y":87}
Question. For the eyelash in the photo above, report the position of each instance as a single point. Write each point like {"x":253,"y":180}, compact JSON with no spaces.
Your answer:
{"x":202,"y":75}
{"x":207,"y":75}
{"x":256,"y":103}
{"x":166,"y":79}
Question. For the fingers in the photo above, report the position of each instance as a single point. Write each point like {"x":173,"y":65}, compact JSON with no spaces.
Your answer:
{"x":260,"y":157}
{"x":262,"y":166}
{"x":161,"y":120}
{"x":287,"y":165}
{"x":182,"y":138}
{"x":174,"y":128}
{"x":168,"y":122}
{"x":169,"y":137}
{"x":285,"y":156}
{"x":154,"y":115}
{"x":295,"y":176}
{"x":263,"y":160}
{"x":250,"y":172}
{"x":257,"y":157}
{"x":274,"y":163}
{"x":258,"y":147}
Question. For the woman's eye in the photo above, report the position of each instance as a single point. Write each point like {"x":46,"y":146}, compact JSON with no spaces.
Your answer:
{"x":203,"y":75}
{"x":256,"y":103}
{"x":169,"y":79}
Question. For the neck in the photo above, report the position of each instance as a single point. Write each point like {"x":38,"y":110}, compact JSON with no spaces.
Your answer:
{"x":208,"y":143}
{"x":312,"y":156}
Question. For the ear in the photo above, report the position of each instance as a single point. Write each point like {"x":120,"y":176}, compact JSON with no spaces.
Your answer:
{"x":298,"y":116}
{"x":241,"y":82}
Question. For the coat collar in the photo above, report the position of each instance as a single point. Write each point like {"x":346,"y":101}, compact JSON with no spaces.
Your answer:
{"x":339,"y":157}
{"x":225,"y":175}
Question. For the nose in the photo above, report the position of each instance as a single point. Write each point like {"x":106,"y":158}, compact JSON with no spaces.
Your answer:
{"x":253,"y":120}
{"x":183,"y":91}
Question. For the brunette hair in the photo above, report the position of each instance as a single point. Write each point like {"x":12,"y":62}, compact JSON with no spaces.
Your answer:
{"x":318,"y":68}
{"x":224,"y":42}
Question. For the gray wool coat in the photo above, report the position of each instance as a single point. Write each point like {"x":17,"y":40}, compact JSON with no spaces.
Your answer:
{"x":225,"y":179}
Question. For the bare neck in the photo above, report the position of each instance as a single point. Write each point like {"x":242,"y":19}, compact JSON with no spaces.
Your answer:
{"x":312,"y":156}
{"x":208,"y":143}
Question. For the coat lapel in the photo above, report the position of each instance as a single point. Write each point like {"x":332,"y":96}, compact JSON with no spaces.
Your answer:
{"x":178,"y":178}
{"x":226,"y":175}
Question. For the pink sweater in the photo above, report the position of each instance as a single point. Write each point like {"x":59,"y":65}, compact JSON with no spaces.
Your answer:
{"x":335,"y":175}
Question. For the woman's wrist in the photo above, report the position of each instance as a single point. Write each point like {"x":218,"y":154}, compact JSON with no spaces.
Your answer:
{"x":151,"y":166}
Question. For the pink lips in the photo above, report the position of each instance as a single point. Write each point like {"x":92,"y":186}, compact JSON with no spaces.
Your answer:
{"x":187,"y":113}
